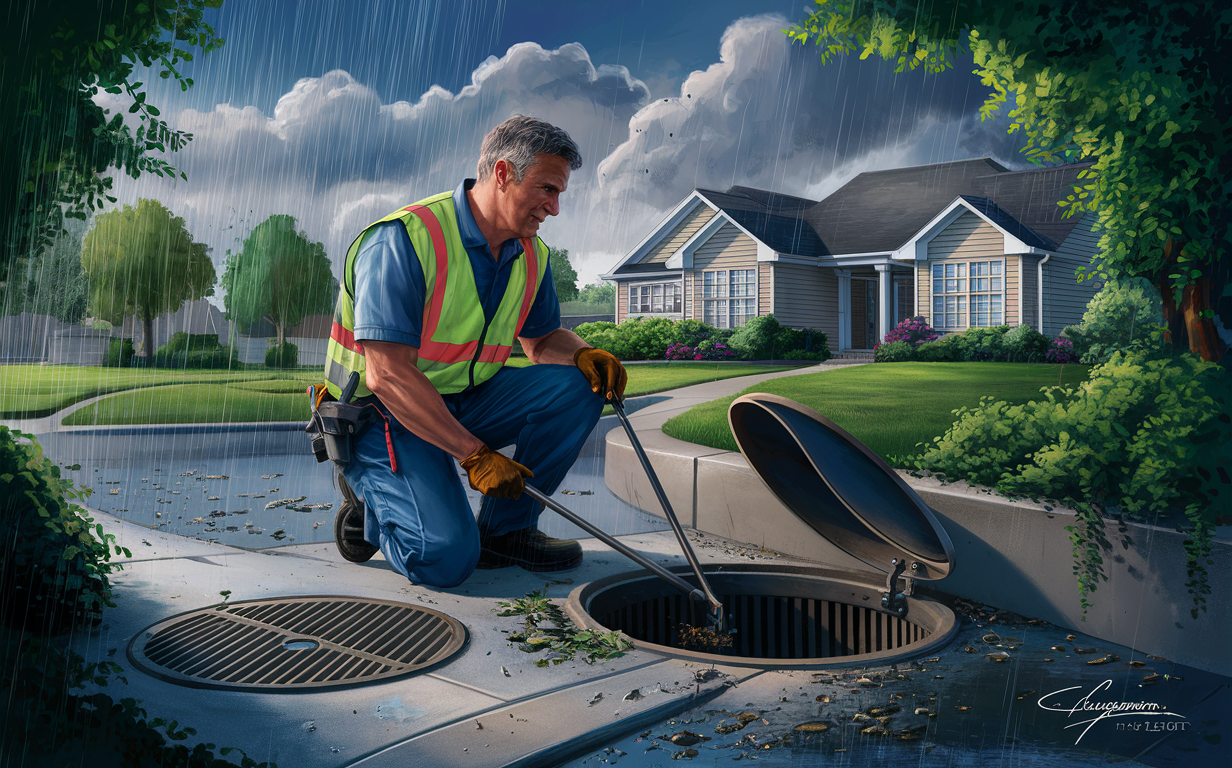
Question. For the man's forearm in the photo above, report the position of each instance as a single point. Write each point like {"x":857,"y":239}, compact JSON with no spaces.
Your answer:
{"x":414,"y":402}
{"x":555,"y":348}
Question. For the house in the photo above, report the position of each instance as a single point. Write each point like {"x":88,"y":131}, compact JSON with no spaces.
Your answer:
{"x":966,"y":243}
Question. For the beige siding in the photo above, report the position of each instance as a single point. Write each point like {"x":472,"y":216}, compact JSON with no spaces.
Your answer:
{"x":1030,"y":296}
{"x":688,"y":305}
{"x":1011,"y":290}
{"x":924,"y":295}
{"x":967,"y":237}
{"x":622,"y":300}
{"x":807,"y":297}
{"x":679,"y":235}
{"x":729,"y":248}
{"x":1065,"y":299}
{"x":765,"y":288}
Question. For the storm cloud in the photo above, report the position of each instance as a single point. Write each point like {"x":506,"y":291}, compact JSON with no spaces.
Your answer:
{"x":766,"y":114}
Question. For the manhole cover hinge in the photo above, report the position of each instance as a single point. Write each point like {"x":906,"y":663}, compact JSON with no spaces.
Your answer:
{"x":892,"y":599}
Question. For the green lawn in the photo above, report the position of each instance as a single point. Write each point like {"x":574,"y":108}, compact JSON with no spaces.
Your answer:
{"x":284,"y":400}
{"x":888,"y":406}
{"x":31,"y":391}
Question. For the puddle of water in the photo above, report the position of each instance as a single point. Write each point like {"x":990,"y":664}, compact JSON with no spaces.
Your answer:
{"x":986,"y":712}
{"x":228,"y":499}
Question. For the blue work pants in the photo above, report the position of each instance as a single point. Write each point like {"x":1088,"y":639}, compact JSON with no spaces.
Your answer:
{"x":420,"y":516}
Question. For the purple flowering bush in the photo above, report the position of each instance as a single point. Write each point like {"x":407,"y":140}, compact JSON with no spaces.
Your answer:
{"x":682,"y":351}
{"x":714,"y":350}
{"x":913,"y":330}
{"x":1061,"y":350}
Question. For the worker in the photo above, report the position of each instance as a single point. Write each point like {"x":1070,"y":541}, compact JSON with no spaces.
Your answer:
{"x":434,"y":296}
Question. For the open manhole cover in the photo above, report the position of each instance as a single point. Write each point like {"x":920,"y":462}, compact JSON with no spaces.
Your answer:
{"x":294,"y":643}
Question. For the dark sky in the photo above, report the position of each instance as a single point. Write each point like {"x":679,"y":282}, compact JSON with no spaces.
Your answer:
{"x":400,"y":49}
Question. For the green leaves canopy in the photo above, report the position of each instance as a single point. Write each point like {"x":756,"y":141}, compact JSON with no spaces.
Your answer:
{"x":279,"y":275}
{"x":55,"y":58}
{"x":143,"y":261}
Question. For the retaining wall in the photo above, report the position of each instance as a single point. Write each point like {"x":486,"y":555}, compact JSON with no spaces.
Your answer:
{"x":1015,"y":555}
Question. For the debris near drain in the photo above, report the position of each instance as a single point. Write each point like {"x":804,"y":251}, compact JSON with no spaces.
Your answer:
{"x":706,"y":640}
{"x":812,"y":727}
{"x":545,"y":627}
{"x":685,"y":738}
{"x":284,"y":502}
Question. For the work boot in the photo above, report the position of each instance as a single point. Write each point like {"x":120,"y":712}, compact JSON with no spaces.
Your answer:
{"x":349,"y":526}
{"x":529,"y":548}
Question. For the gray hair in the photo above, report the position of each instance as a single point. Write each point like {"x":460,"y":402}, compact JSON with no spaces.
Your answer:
{"x":520,"y":140}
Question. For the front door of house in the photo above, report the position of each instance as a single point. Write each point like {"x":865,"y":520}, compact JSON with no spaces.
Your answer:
{"x":863,"y":313}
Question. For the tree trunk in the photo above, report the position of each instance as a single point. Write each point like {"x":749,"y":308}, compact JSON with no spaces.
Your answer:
{"x":281,"y":333}
{"x":1195,"y":309}
{"x":1190,"y":322}
{"x":147,"y":339}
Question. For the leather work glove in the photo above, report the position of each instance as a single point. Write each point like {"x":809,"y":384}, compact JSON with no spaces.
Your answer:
{"x":606,"y":375}
{"x":494,"y":474}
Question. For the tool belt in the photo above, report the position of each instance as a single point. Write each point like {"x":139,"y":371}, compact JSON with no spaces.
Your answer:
{"x":335,"y":426}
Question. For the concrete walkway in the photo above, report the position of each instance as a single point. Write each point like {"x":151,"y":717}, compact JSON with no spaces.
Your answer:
{"x":677,"y":401}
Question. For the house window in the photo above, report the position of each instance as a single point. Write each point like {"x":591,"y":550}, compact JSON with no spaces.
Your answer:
{"x":654,"y":298}
{"x":968,"y":294}
{"x":729,"y":297}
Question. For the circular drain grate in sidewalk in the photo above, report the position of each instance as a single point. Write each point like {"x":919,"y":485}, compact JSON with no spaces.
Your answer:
{"x":296,"y":643}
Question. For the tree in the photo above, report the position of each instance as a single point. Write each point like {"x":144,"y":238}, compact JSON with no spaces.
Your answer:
{"x":279,"y":275}
{"x":54,"y":59}
{"x":563,"y":274}
{"x":1140,"y":88}
{"x":55,"y":282}
{"x":143,"y":261}
{"x":599,"y":293}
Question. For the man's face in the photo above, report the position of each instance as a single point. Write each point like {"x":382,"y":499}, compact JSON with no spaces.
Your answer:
{"x":526,"y":205}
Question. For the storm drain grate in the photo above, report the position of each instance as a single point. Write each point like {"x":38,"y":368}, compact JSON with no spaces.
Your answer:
{"x":296,"y":643}
{"x":772,"y":627}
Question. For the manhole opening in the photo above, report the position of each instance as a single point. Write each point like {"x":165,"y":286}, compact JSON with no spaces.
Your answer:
{"x":296,"y":643}
{"x":781,"y":616}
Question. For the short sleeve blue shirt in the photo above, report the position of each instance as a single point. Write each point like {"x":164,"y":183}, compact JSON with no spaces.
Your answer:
{"x":390,"y":289}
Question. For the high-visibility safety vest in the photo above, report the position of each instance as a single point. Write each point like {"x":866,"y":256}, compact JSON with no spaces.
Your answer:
{"x":458,"y":347}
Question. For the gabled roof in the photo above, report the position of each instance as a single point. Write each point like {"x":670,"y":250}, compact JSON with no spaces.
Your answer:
{"x":878,"y":211}
{"x":1031,"y":197}
{"x":774,"y":219}
{"x":1002,"y":219}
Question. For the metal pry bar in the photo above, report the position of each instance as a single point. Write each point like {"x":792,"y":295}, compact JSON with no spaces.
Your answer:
{"x":615,"y":544}
{"x":716,"y":607}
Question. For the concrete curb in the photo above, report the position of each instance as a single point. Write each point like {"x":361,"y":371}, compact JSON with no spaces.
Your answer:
{"x":1015,"y":555}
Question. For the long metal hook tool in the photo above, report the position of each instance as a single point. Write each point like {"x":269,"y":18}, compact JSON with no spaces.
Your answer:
{"x":615,"y":544}
{"x":716,"y":607}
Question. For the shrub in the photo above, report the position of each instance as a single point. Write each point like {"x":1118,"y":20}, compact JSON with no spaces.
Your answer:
{"x":804,"y":354}
{"x":682,"y":352}
{"x":285,"y":356}
{"x":913,"y":330}
{"x":763,"y":338}
{"x":981,"y":344}
{"x":1121,"y":317}
{"x":894,"y":352}
{"x":56,"y":562}
{"x":120,"y":353}
{"x":941,"y":351}
{"x":714,"y":350}
{"x":1144,"y":435}
{"x":1061,"y":350}
{"x":1024,"y":344}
